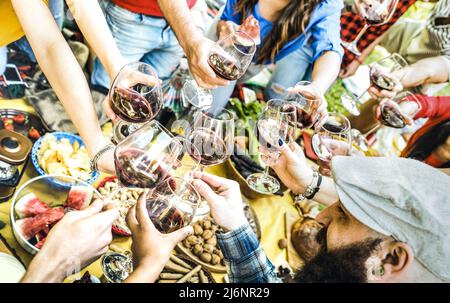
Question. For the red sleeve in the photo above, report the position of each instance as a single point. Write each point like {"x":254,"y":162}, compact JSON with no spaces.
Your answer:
{"x":433,"y":107}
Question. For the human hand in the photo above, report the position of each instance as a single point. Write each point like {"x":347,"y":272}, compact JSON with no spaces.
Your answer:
{"x":404,"y":109}
{"x":226,"y":28}
{"x":224,"y":199}
{"x":350,"y":70}
{"x":292,"y":167}
{"x":73,"y":243}
{"x":151,"y":249}
{"x":197,"y":53}
{"x":313,"y":91}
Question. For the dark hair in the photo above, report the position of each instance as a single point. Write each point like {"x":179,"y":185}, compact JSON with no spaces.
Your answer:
{"x":429,"y":141}
{"x":290,"y":24}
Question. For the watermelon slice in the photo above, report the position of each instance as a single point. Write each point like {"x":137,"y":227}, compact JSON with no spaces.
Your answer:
{"x":29,"y":206}
{"x":31,"y":226}
{"x":79,"y":197}
{"x":251,"y":27}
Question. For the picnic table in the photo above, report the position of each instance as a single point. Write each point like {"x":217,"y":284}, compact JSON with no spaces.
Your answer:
{"x":269,"y":210}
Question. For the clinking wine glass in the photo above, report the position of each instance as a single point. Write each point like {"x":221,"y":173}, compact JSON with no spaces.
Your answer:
{"x":231,"y":56}
{"x":172,"y":204}
{"x":332,"y":138}
{"x":399,"y":111}
{"x":136,"y":97}
{"x":277,"y":121}
{"x":146,"y":157}
{"x":212,"y":136}
{"x":374,"y":12}
{"x":380,"y":76}
{"x":307,"y":101}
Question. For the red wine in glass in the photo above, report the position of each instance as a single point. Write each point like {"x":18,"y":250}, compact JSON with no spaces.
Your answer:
{"x":137,"y":104}
{"x":382,"y":81}
{"x":207,"y":147}
{"x":225,"y":68}
{"x":165,"y":218}
{"x":136,"y":169}
{"x":391,"y":116}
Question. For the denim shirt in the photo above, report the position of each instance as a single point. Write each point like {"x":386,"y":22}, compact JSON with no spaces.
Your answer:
{"x":245,"y":258}
{"x":322,"y":31}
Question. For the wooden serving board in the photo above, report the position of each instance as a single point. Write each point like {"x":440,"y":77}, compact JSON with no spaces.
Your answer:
{"x":187,"y":252}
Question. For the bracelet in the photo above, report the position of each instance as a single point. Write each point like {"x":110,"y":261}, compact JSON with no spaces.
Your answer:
{"x":312,"y":188}
{"x":93,"y":161}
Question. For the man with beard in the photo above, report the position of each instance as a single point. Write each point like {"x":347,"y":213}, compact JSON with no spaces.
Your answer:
{"x":389,"y":223}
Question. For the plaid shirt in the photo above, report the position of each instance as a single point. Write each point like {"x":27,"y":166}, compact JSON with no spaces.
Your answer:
{"x":245,"y":258}
{"x":352,"y":24}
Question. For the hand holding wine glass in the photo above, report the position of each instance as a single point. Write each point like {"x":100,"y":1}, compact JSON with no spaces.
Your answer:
{"x":332,"y":138}
{"x":398,"y":111}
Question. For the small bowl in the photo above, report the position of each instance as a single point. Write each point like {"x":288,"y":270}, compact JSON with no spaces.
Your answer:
{"x":59,"y":135}
{"x":51,"y":195}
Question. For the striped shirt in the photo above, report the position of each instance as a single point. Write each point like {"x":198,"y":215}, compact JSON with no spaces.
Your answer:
{"x":438,"y":27}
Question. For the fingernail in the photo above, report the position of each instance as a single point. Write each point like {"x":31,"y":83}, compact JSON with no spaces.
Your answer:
{"x":280,"y":142}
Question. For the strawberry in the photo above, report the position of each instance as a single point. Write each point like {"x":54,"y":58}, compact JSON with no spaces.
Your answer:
{"x":19,"y":119}
{"x":34,"y":133}
{"x":9,"y":124}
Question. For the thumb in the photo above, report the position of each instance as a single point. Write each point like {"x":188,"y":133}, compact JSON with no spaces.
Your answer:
{"x":179,"y":235}
{"x":92,"y":209}
{"x":205,"y":191}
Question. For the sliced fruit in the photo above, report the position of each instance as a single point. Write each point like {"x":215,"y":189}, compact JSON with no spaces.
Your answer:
{"x":31,"y":226}
{"x":19,"y":119}
{"x":79,"y":197}
{"x":34,"y":133}
{"x":29,"y":206}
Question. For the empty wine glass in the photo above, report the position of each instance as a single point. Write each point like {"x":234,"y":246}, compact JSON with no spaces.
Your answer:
{"x":380,"y":76}
{"x":399,"y":111}
{"x":172,"y":204}
{"x":307,"y":100}
{"x":135,"y":97}
{"x":146,"y":157}
{"x":231,"y":56}
{"x":374,"y":12}
{"x":276,"y":122}
{"x":193,"y":94}
{"x":332,"y":138}
{"x":212,"y":135}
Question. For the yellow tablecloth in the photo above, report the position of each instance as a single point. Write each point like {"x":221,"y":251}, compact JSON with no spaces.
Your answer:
{"x":270,"y":212}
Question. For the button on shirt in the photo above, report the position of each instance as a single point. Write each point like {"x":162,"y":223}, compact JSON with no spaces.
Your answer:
{"x":322,"y":31}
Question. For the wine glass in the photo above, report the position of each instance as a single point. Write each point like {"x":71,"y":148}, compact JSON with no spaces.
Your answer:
{"x":399,"y":111}
{"x":193,"y":94}
{"x":135,"y":97}
{"x":231,"y":56}
{"x":172,"y":204}
{"x":212,"y":135}
{"x":332,"y":138}
{"x":277,"y":121}
{"x":307,"y":101}
{"x":380,"y":76}
{"x":146,"y":157}
{"x":374,"y":13}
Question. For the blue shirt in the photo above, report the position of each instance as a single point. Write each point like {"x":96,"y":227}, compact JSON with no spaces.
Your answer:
{"x":323,"y":31}
{"x":245,"y":258}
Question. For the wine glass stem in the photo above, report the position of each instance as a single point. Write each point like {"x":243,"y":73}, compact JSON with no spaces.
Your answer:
{"x":375,"y":128}
{"x":266,"y":170}
{"x":202,"y":168}
{"x":360,"y":34}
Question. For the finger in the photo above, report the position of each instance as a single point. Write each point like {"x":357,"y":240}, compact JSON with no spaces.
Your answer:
{"x":132,"y":223}
{"x":285,"y":150}
{"x":179,"y":235}
{"x":210,"y":76}
{"x":108,"y":110}
{"x":213,"y":180}
{"x":108,"y":217}
{"x":141,"y":210}
{"x":206,"y":192}
{"x":95,"y":208}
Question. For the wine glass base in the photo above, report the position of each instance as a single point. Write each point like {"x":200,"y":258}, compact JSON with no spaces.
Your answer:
{"x":350,"y":104}
{"x":351,"y":47}
{"x":263,"y":184}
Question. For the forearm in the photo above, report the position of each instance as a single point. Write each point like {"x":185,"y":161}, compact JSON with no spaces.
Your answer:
{"x":178,"y":15}
{"x":426,"y":71}
{"x":44,"y":270}
{"x":325,"y":70}
{"x":61,"y":69}
{"x":327,"y":193}
{"x":90,"y":20}
{"x":369,"y":49}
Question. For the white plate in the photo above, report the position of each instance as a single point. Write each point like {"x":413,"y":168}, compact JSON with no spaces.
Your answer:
{"x":11,"y":270}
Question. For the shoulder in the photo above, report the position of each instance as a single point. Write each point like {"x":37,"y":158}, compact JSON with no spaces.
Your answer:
{"x":329,"y":7}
